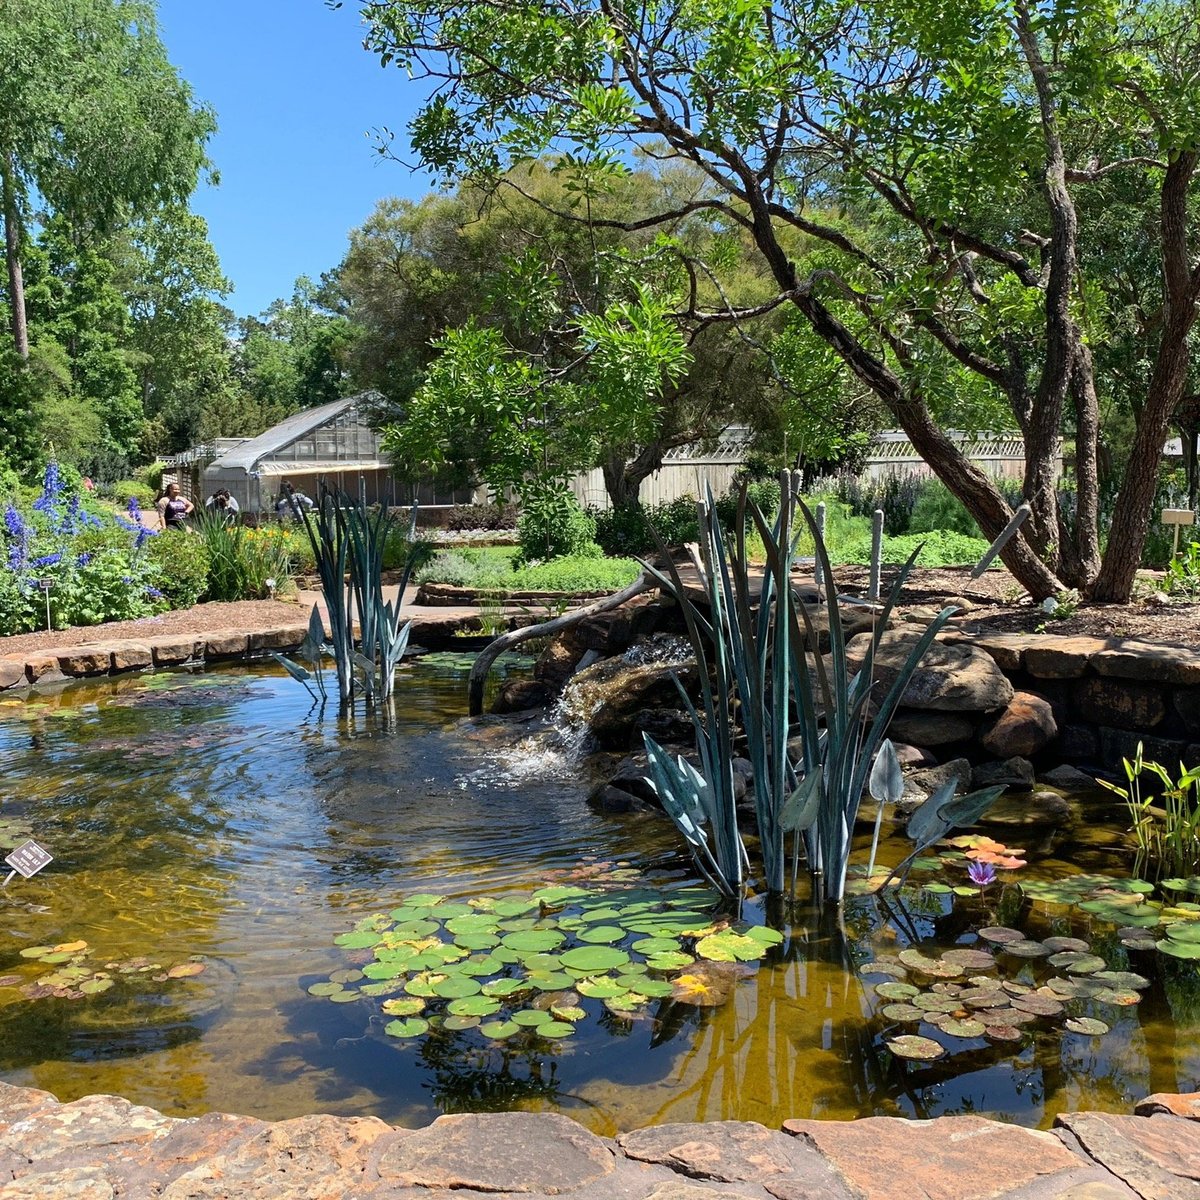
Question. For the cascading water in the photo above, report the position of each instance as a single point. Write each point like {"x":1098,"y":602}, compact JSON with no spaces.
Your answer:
{"x":557,"y":746}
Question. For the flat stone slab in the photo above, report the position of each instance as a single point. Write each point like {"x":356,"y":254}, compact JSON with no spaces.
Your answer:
{"x":1049,"y":657}
{"x":950,"y":1158}
{"x":1180,"y":1104}
{"x":1158,"y":1157}
{"x":1149,"y":662}
{"x":104,"y":1148}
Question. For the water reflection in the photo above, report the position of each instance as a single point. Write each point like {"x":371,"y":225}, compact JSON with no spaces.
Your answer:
{"x":218,"y":815}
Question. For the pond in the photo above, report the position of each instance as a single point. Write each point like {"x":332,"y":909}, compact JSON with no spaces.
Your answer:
{"x":213,"y":837}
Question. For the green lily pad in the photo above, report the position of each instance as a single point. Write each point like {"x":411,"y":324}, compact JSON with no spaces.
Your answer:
{"x":1120,"y":998}
{"x":357,"y":940}
{"x":595,"y":958}
{"x":385,"y":970}
{"x":533,"y":940}
{"x":568,"y":1012}
{"x":1122,"y":979}
{"x":423,"y":984}
{"x":531,"y":1017}
{"x":92,"y":987}
{"x":457,"y":986}
{"x":902,"y":1012}
{"x":423,"y":900}
{"x":515,"y":907}
{"x":965,"y":1028}
{"x":1177,"y":933}
{"x":406,"y":1027}
{"x":645,"y":986}
{"x":457,"y":1023}
{"x":669,"y":961}
{"x":919,"y":1049}
{"x":472,"y":923}
{"x":410,"y":912}
{"x":342,"y":997}
{"x":728,"y":946}
{"x":601,"y":934}
{"x":601,"y":988}
{"x":476,"y":940}
{"x":473,"y":1006}
{"x":555,"y":1029}
{"x":550,"y":981}
{"x":504,"y":987}
{"x":499,"y":1030}
{"x":347,"y":975}
{"x":1088,"y":1025}
{"x":403,"y":1006}
{"x":555,"y":897}
{"x":326,"y":988}
{"x":934,"y":1002}
{"x":765,"y":934}
{"x":1188,"y":950}
{"x":895,"y":991}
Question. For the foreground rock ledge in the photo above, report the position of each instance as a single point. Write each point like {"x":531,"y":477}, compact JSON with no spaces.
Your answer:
{"x":103,"y":1147}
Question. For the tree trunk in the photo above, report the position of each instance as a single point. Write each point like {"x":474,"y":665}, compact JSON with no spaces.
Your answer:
{"x":1181,"y":289}
{"x":12,"y":247}
{"x":1081,"y":544}
{"x":975,"y":489}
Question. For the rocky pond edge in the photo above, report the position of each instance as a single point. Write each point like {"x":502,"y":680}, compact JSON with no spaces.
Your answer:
{"x":103,"y":1147}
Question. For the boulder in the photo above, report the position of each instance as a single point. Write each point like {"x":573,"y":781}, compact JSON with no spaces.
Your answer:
{"x":920,"y":785}
{"x":607,"y":633}
{"x":1026,"y":726}
{"x":913,"y":756}
{"x":950,"y":677}
{"x":1119,"y":704}
{"x":12,"y":673}
{"x":1030,"y":810}
{"x":664,"y":725}
{"x":557,"y":663}
{"x":608,"y":696}
{"x":1078,"y":743}
{"x":519,"y":694}
{"x":133,"y":656}
{"x":606,"y":798}
{"x":1016,"y":774}
{"x":1150,"y":662}
{"x":1050,"y":657}
{"x":1069,"y":778}
{"x":930,"y":728}
{"x":85,"y":660}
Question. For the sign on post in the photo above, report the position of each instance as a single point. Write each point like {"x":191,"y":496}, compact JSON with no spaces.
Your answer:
{"x":27,"y":860}
{"x":1177,"y":517}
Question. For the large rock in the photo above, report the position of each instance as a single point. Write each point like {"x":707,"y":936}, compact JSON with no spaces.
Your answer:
{"x":12,"y":673}
{"x":557,"y":663}
{"x":516,"y":695}
{"x":512,"y":1152}
{"x":1157,"y":1157}
{"x":1051,"y":657}
{"x":1069,"y":778}
{"x":950,"y":1158}
{"x":930,"y":728}
{"x":950,"y":678}
{"x":1037,"y":810}
{"x":1026,"y":726}
{"x":1150,"y":662}
{"x":609,"y":695}
{"x":1179,"y":1104}
{"x":1120,"y":705}
{"x":85,"y":660}
{"x":1016,"y":774}
{"x":920,"y":785}
{"x":664,"y":725}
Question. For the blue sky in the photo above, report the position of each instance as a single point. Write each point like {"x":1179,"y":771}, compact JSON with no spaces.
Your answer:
{"x":296,"y":99}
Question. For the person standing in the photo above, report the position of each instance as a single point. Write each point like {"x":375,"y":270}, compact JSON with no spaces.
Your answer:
{"x":173,"y":507}
{"x":222,"y":502}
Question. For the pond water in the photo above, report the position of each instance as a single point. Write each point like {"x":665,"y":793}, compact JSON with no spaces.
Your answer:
{"x":213,"y":820}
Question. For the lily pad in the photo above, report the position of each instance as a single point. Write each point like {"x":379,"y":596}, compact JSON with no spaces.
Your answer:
{"x":1122,"y":979}
{"x":728,"y":946}
{"x":1001,"y":934}
{"x":966,"y":1027}
{"x":601,"y":988}
{"x":92,"y":987}
{"x":1088,"y":1025}
{"x":1176,"y":949}
{"x":902,"y":1012}
{"x":1025,"y":948}
{"x":555,"y":1029}
{"x":457,"y":1023}
{"x":403,"y":1006}
{"x":326,"y":988}
{"x":669,"y":961}
{"x":970,"y":960}
{"x":504,"y":987}
{"x":533,"y":940}
{"x":601,"y":934}
{"x":406,"y":1027}
{"x":1058,"y":944}
{"x":595,"y":958}
{"x":499,"y":1030}
{"x":765,"y":934}
{"x":895,"y":991}
{"x":1122,"y":999}
{"x":457,"y":986}
{"x":656,"y":945}
{"x":531,"y":1016}
{"x":919,"y":1049}
{"x":1003,"y":1033}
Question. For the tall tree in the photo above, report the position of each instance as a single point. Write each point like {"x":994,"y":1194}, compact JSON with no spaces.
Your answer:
{"x":962,"y":136}
{"x":95,"y":123}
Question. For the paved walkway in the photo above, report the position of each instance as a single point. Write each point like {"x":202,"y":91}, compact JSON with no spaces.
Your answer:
{"x":102,"y":1147}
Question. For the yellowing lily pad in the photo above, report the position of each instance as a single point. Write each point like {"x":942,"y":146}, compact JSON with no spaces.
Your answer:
{"x":919,"y":1049}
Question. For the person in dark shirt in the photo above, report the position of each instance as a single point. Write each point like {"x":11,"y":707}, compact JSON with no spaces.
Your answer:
{"x":173,"y":508}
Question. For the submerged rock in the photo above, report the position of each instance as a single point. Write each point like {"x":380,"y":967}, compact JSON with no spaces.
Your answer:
{"x":920,"y":785}
{"x":519,"y":694}
{"x":1016,"y":774}
{"x":1068,"y":778}
{"x":1037,"y":810}
{"x":930,"y":728}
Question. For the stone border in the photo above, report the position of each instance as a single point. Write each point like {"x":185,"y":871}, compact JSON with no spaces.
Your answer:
{"x":105,"y":658}
{"x":100,"y":1147}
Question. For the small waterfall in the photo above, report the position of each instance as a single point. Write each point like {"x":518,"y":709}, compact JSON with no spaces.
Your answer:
{"x":556,"y":749}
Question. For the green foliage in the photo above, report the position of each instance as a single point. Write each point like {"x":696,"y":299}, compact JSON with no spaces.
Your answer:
{"x":936,"y":549}
{"x":181,"y":562}
{"x":241,"y":566}
{"x":895,"y":495}
{"x":937,"y":508}
{"x":467,"y":567}
{"x":1165,"y":819}
{"x":754,"y":671}
{"x":1183,"y":572}
{"x":553,"y":525}
{"x":125,"y":490}
{"x":630,"y":528}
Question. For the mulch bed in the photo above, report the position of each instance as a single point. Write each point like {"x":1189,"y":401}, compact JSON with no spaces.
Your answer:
{"x":999,"y":605}
{"x":247,"y":615}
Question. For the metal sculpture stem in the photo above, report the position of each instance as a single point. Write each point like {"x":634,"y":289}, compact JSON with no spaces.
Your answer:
{"x":506,"y":641}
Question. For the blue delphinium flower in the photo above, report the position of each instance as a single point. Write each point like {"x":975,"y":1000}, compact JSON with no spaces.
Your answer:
{"x":14,"y":525}
{"x":154,"y":593}
{"x":47,"y":560}
{"x":83,"y":560}
{"x":134,"y":525}
{"x":981,"y":873}
{"x":18,"y":538}
{"x":52,"y":488}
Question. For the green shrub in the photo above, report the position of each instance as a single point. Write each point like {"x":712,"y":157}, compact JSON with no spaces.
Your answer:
{"x":125,"y":490}
{"x":896,"y":496}
{"x":182,"y":562}
{"x":553,"y":525}
{"x":937,"y":508}
{"x":942,"y":548}
{"x":242,"y":564}
{"x":589,"y":572}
